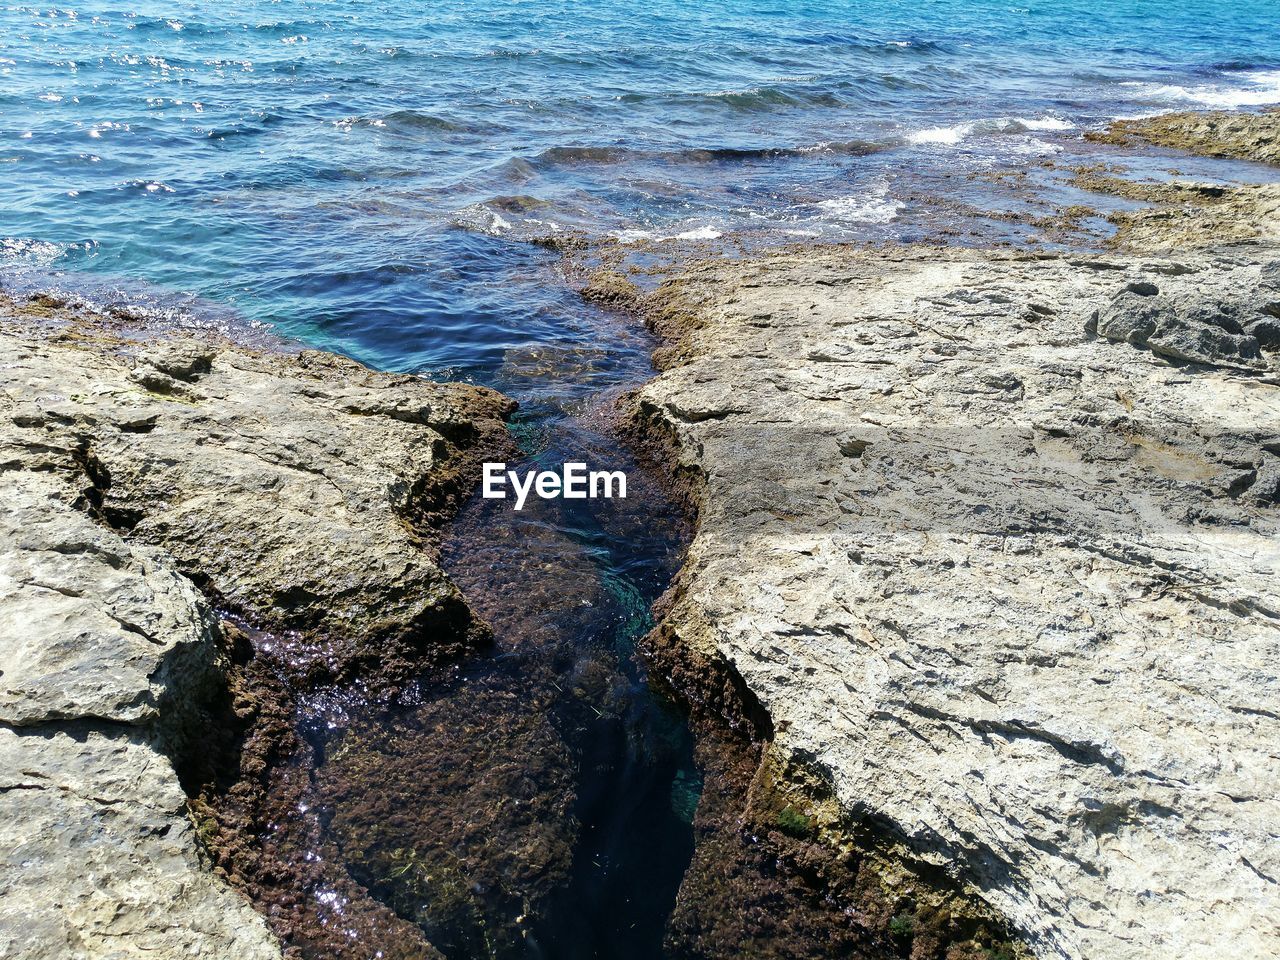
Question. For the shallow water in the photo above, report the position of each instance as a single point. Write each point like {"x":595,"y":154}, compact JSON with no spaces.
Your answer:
{"x":362,"y":176}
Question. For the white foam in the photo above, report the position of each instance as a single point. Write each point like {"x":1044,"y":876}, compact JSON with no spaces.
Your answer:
{"x":1047,"y":124}
{"x":640,"y":236}
{"x":875,"y":207}
{"x":700,"y":233}
{"x":940,"y":136}
{"x":953,"y":135}
{"x":1258,"y":88}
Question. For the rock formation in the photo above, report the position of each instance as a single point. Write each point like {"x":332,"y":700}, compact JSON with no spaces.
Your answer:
{"x":1239,"y":136}
{"x":993,"y":540}
{"x":298,"y":490}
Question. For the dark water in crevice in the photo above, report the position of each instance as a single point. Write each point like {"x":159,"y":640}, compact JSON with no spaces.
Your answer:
{"x":538,"y":801}
{"x":569,"y":596}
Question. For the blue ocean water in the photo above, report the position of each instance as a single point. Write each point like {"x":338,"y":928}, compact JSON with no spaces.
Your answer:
{"x":359,"y":174}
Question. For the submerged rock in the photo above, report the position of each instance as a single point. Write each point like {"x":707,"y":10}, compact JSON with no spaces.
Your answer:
{"x":1182,"y":215}
{"x":1009,"y":590}
{"x":139,"y":477}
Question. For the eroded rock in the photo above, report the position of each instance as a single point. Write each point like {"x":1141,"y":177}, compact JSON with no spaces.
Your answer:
{"x":1027,"y":635}
{"x":303,"y":491}
{"x":299,"y":489}
{"x":1242,"y":136}
{"x":108,"y":658}
{"x":1196,"y":331}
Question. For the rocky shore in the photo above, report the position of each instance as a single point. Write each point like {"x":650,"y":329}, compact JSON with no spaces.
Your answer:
{"x":987,"y":551}
{"x":1240,"y":136}
{"x":155,"y":485}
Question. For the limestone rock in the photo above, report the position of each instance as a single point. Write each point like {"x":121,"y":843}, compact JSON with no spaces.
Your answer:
{"x":92,"y":628}
{"x":98,"y":858}
{"x":301,"y":490}
{"x":1266,"y":330}
{"x":1134,"y":314}
{"x":1011,"y":589}
{"x":1243,"y":136}
{"x":1185,"y":339}
{"x":107,"y":655}
{"x":1197,"y":331}
{"x":297,"y":488}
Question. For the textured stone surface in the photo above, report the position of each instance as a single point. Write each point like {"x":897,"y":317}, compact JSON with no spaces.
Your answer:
{"x":1200,"y":332}
{"x":106,"y":656}
{"x":1177,"y":215}
{"x":1242,"y":136}
{"x":92,"y":628}
{"x":299,"y":489}
{"x":1009,"y":586}
{"x":98,"y":858}
{"x":294,"y":487}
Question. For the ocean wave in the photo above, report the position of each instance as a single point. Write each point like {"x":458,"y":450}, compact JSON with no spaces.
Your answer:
{"x":570,"y":156}
{"x":509,"y":216}
{"x":1251,"y":88}
{"x":1239,"y":66}
{"x":28,"y":253}
{"x":871,"y":44}
{"x":957,"y":133}
{"x":1054,"y":124}
{"x":414,"y":120}
{"x":876,"y":207}
{"x":401,"y":121}
{"x":940,"y":136}
{"x":767,"y":98}
{"x":636,"y":235}
{"x":246,"y":128}
{"x":760,"y":99}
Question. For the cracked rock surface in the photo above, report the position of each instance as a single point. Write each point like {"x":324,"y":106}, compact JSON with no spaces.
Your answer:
{"x":106,"y":653}
{"x":140,"y":478}
{"x":1002,"y":572}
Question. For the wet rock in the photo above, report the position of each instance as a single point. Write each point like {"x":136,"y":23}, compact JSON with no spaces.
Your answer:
{"x":457,"y":815}
{"x":1026,"y":642}
{"x":1184,"y":215}
{"x":303,"y":490}
{"x":1242,"y":136}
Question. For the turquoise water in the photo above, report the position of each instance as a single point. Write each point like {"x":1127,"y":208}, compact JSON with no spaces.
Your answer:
{"x":354,"y":173}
